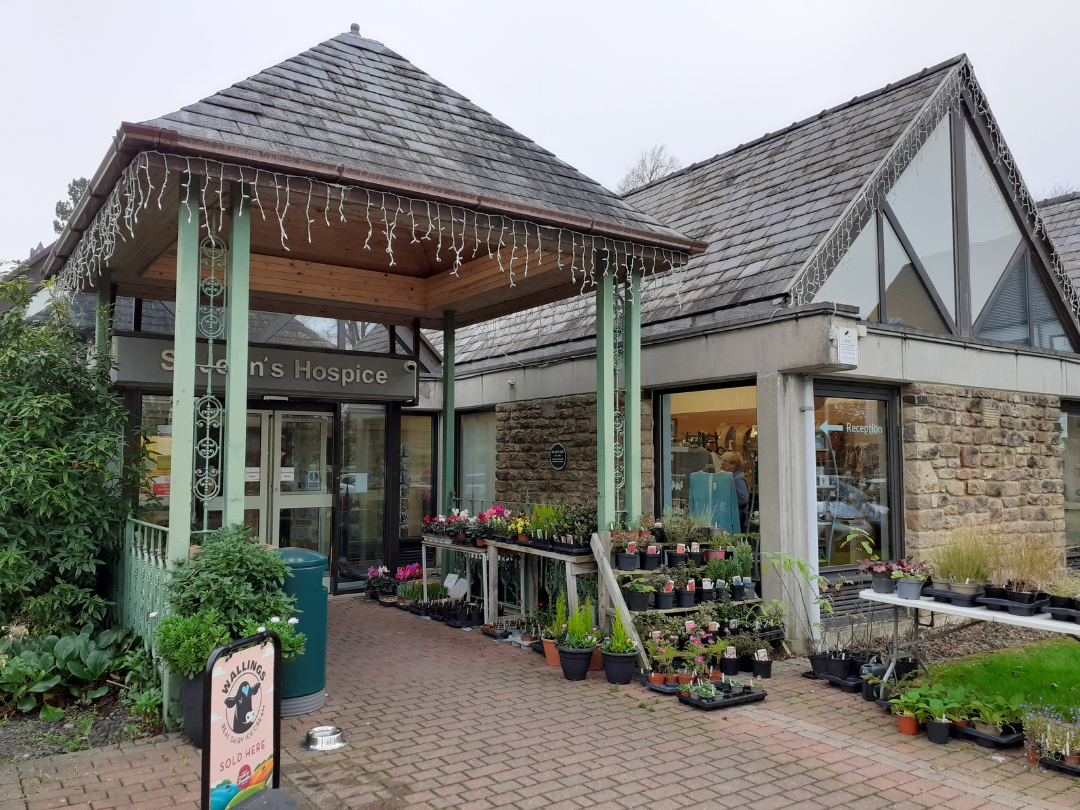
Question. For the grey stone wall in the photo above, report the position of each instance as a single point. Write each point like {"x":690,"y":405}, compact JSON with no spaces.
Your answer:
{"x":524,"y":434}
{"x":977,"y":456}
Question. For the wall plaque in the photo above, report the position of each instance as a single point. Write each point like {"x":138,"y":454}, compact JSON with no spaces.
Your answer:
{"x":557,"y":457}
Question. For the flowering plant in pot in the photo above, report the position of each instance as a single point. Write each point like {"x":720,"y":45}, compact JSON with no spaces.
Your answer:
{"x":663,"y":653}
{"x":619,"y":652}
{"x":577,"y":646}
{"x":1054,"y":733}
{"x":909,"y":579}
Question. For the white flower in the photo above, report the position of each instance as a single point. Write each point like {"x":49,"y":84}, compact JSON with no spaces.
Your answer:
{"x":154,"y":615}
{"x":274,"y":620}
{"x":261,"y":630}
{"x":294,"y":621}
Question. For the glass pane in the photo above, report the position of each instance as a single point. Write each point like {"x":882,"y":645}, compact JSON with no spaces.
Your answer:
{"x":306,"y":445}
{"x":366,"y":337}
{"x":855,"y":279}
{"x":1007,"y":319}
{"x":362,"y":493}
{"x":157,"y":317}
{"x":477,"y":461}
{"x":1046,"y":328}
{"x":306,"y":330}
{"x":157,"y":416}
{"x":992,"y":232}
{"x":1070,"y":439}
{"x":305,"y":528}
{"x":714,"y":433}
{"x":922,"y":202}
{"x":417,"y":493}
{"x":253,"y":456}
{"x":907,"y":302}
{"x":851,"y":456}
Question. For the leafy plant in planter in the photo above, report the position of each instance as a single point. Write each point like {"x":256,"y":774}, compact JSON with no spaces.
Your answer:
{"x":797,"y":581}
{"x":637,"y":593}
{"x":909,"y":580}
{"x":619,"y":652}
{"x":912,"y":708}
{"x":185,"y":642}
{"x":576,"y":649}
{"x":965,"y":559}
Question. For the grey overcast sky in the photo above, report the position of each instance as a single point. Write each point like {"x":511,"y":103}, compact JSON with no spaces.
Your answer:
{"x":594,"y":82}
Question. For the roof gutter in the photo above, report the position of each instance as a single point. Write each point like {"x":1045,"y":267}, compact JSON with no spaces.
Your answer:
{"x":132,"y":139}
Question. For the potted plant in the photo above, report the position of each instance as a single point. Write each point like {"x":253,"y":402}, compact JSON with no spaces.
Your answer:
{"x":683,"y":590}
{"x":964,"y":560}
{"x":881,"y":572}
{"x":579,"y":643}
{"x":624,"y":544}
{"x":943,"y":706}
{"x":762,"y":664}
{"x":1063,"y":591}
{"x":909,"y":580}
{"x":185,"y":644}
{"x":638,"y":591}
{"x":555,"y":630}
{"x":651,"y":554}
{"x":911,"y":709}
{"x":619,"y":652}
{"x":663,"y":584}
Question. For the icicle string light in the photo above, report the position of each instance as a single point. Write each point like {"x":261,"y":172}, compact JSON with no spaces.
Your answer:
{"x":947,"y":98}
{"x":507,"y":240}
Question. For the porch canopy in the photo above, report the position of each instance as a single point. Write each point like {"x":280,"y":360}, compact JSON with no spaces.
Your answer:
{"x":346,"y":183}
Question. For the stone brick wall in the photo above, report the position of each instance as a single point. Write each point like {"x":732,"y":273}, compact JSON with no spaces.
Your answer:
{"x":525,"y":432}
{"x":976,"y":456}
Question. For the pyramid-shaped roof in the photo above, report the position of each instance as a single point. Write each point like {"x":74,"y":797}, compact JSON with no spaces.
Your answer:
{"x":763,"y":207}
{"x":355,"y":102}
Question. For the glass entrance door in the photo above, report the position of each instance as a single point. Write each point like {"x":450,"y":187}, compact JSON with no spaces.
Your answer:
{"x":301,"y":475}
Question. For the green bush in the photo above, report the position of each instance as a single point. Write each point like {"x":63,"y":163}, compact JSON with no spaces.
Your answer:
{"x":185,"y":642}
{"x":61,"y":485}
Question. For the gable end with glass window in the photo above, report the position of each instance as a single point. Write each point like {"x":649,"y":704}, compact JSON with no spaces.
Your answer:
{"x":948,"y":251}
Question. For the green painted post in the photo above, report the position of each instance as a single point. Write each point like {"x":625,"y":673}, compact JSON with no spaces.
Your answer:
{"x":236,"y":357}
{"x":605,"y":395}
{"x":103,"y":322}
{"x":183,"y":396}
{"x":632,"y":385}
{"x":449,"y":458}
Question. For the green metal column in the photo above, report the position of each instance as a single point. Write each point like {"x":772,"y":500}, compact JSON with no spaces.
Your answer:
{"x":183,"y":394}
{"x":606,"y":503}
{"x":236,"y":357}
{"x":449,"y":456}
{"x":103,"y":321}
{"x":632,"y":386}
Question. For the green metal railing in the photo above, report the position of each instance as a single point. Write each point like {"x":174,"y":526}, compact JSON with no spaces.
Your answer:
{"x":140,"y":575}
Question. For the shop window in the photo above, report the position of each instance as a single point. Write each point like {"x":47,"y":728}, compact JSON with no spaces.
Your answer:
{"x":854,"y":485}
{"x":362,"y":493}
{"x":417,"y":472}
{"x":921,"y":199}
{"x":1070,"y":443}
{"x":854,"y":281}
{"x":476,"y":485}
{"x":992,"y":232}
{"x":157,"y":420}
{"x":907,"y":302}
{"x":709,"y":443}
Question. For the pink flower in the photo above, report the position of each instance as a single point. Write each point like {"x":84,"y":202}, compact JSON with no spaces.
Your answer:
{"x":700,"y":660}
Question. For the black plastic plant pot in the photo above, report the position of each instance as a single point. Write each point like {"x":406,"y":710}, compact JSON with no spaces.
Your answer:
{"x":939,"y":731}
{"x":650,"y":562}
{"x":686,"y":599}
{"x":839,"y":667}
{"x":696,"y":557}
{"x":883,"y":583}
{"x":729,"y":666}
{"x":819,"y":662}
{"x":619,"y":667}
{"x":1060,"y":602}
{"x":665,"y":600}
{"x":1021,"y":597}
{"x":990,"y":592}
{"x":626,"y":562}
{"x":637,"y":601}
{"x":706,"y":594}
{"x":738,"y":593}
{"x":191,"y":707}
{"x":674,"y":559}
{"x":904,"y":668}
{"x":762,"y":669}
{"x":746,"y":663}
{"x":575,"y":663}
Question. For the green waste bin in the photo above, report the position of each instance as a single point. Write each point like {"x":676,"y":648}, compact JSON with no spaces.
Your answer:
{"x":303,"y":680}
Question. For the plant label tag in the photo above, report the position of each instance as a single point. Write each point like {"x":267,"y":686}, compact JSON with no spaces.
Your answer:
{"x":733,"y":624}
{"x":450,"y":581}
{"x":656,"y":634}
{"x":690,"y":585}
{"x":721,"y":583}
{"x":689,"y":625}
{"x":695,"y":547}
{"x":631,"y":547}
{"x":762,"y":655}
{"x":680,"y":548}
{"x":669,"y":586}
{"x":730,"y":652}
{"x":714,"y":626}
{"x":706,"y":584}
{"x":736,"y":580}
{"x":651,"y":549}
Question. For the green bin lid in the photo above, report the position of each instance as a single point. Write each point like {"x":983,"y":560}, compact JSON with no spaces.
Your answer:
{"x":303,"y":558}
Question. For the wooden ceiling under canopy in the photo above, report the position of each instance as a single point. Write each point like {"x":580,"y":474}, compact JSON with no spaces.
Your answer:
{"x":345,"y":270}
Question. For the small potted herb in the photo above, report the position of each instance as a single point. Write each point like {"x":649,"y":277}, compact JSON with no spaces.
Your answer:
{"x":664,"y":587}
{"x":684,"y":588}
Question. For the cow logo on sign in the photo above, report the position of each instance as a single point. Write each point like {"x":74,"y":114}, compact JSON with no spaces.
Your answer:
{"x":244,"y":706}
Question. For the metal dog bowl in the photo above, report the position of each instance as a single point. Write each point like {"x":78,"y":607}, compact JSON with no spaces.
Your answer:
{"x":324,"y":738}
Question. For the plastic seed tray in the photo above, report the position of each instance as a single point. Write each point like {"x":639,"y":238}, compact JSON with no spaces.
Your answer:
{"x":851,"y":684}
{"x":497,"y":634}
{"x":664,"y":688}
{"x":722,"y":702}
{"x":958,"y":599}
{"x":988,"y":740}
{"x":1064,"y":615}
{"x":1063,"y":767}
{"x":1015,"y":608}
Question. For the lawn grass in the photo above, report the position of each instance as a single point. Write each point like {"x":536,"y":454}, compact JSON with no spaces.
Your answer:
{"x":1046,"y":672}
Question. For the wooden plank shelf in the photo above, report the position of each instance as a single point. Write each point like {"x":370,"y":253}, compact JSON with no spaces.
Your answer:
{"x":698,"y":606}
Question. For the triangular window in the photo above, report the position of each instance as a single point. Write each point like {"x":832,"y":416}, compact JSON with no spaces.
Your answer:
{"x":1021,"y":310}
{"x":921,"y":201}
{"x":907,"y":303}
{"x":992,"y":232}
{"x":855,"y":279}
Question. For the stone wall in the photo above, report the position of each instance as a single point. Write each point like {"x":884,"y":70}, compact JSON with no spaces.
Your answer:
{"x":524,"y":434}
{"x":976,"y":456}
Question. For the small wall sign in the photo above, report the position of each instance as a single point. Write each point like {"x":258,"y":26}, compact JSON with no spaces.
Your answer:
{"x":557,"y":457}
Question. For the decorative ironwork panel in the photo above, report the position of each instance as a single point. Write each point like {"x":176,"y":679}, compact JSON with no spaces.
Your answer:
{"x":618,"y":382}
{"x":551,"y":575}
{"x":510,"y":579}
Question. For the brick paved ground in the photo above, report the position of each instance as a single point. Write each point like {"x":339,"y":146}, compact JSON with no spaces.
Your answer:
{"x":444,"y":718}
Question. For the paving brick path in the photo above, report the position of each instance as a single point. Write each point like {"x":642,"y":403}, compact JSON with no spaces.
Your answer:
{"x":442,"y":718}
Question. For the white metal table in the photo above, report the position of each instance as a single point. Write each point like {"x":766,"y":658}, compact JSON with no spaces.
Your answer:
{"x":978,"y":613}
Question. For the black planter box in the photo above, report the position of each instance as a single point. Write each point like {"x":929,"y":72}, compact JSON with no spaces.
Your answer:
{"x":696,"y":557}
{"x":191,"y":707}
{"x":939,"y":732}
{"x":674,"y":560}
{"x":706,"y":594}
{"x":738,"y":592}
{"x":729,"y":666}
{"x":762,"y":669}
{"x":665,"y":688}
{"x":746,"y":663}
{"x":1007,"y":739}
{"x":498,"y":634}
{"x":619,"y":667}
{"x":958,"y":599}
{"x":1063,"y":614}
{"x":709,"y":704}
{"x":819,"y":662}
{"x":575,"y":663}
{"x":839,"y":667}
{"x":626,"y":562}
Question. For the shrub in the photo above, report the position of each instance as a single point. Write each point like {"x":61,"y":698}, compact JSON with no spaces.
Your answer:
{"x":185,"y":642}
{"x":619,"y":641}
{"x":580,"y":633}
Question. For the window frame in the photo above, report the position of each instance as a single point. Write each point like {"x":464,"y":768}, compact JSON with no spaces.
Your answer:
{"x":460,"y":456}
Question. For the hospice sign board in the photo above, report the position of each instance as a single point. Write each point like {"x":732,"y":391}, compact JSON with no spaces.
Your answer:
{"x":241,"y":720}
